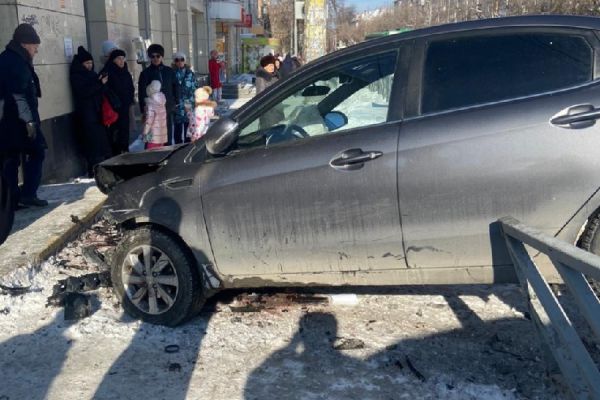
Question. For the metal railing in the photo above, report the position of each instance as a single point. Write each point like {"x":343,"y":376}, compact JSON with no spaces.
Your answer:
{"x":560,"y":337}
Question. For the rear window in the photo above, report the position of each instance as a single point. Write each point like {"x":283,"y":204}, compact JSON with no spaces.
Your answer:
{"x":468,"y":71}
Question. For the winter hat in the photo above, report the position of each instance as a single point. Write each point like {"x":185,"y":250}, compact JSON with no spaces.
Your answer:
{"x":25,"y":34}
{"x":153,"y":88}
{"x":201,"y":94}
{"x":179,"y":54}
{"x":83,"y":55}
{"x":107,"y":47}
{"x":116,"y":53}
{"x":156,"y":48}
{"x":266,"y":60}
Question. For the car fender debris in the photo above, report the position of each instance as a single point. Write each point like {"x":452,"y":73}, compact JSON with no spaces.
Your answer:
{"x":77,"y":306}
{"x":78,"y":284}
{"x":93,"y":256}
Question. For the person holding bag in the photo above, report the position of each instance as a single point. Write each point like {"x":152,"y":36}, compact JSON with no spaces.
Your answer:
{"x":88,"y":93}
{"x":120,"y":88}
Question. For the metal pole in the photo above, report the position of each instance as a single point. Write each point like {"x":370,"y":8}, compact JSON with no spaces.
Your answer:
{"x":295,"y":31}
{"x":207,"y":17}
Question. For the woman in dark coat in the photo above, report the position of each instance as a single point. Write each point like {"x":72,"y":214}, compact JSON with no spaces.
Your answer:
{"x":88,"y":89}
{"x":266,"y":76}
{"x":120,"y":83}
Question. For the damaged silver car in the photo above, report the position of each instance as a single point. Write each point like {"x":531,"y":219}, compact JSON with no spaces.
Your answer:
{"x":385,"y":163}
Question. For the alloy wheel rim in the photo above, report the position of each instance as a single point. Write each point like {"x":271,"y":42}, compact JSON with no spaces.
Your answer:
{"x":149,"y":279}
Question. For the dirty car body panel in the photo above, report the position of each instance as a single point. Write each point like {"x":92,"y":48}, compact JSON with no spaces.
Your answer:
{"x":405,"y":190}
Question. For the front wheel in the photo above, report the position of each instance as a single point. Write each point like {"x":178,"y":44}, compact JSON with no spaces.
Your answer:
{"x":155,"y":277}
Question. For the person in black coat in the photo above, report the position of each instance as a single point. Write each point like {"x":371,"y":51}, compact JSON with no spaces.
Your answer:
{"x":88,"y":88}
{"x":7,"y":209}
{"x":266,"y":76}
{"x":120,"y":83}
{"x":157,"y":71}
{"x":20,"y":134}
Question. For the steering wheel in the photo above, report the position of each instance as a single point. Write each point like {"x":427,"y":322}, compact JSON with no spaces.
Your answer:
{"x":290,"y":132}
{"x":294,"y":130}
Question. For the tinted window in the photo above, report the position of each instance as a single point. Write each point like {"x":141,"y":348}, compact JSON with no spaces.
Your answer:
{"x":467,"y":71}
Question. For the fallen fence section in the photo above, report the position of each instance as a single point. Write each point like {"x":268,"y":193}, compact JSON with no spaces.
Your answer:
{"x":560,"y":337}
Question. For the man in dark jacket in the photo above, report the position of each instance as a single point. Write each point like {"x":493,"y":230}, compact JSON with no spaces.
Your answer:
{"x":157,"y":71}
{"x":20,"y":136}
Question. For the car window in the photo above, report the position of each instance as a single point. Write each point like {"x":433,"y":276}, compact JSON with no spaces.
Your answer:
{"x":347,"y":96}
{"x":468,"y":71}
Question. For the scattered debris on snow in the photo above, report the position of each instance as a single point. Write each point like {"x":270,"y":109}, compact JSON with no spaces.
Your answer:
{"x":453,"y":343}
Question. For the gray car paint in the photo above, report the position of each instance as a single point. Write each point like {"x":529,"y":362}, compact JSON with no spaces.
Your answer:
{"x":439,"y":232}
{"x":284,"y":209}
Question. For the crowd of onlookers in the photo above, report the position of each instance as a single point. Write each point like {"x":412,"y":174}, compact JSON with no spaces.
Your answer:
{"x":174,"y":109}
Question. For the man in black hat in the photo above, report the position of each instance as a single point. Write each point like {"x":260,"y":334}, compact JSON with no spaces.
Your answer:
{"x":20,"y":136}
{"x":157,"y":71}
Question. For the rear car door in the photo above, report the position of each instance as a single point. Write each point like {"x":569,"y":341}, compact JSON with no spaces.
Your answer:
{"x":481,"y":143}
{"x":302,"y":194}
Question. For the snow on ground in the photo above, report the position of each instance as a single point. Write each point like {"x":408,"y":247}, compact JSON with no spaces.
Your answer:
{"x":414,"y":343}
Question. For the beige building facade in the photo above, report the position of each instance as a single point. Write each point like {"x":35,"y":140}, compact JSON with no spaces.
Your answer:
{"x":190,"y":26}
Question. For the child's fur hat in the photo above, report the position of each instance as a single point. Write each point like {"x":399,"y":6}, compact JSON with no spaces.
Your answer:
{"x":201,"y":96}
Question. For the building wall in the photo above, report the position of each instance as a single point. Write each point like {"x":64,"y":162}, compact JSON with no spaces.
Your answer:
{"x":116,"y":21}
{"x":184,"y":29}
{"x":200,"y":42}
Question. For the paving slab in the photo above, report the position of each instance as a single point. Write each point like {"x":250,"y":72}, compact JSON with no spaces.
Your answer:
{"x":40,"y":232}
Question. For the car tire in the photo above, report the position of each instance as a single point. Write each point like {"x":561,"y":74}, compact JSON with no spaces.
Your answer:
{"x":590,"y":241}
{"x":168,"y":291}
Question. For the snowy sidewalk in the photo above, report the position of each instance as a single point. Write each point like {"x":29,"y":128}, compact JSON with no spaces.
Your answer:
{"x":39,"y":232}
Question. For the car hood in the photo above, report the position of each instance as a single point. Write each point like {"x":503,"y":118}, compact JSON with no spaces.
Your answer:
{"x":121,"y":168}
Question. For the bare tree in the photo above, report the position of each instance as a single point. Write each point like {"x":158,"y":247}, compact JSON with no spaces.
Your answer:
{"x":415,"y":14}
{"x":345,"y":26}
{"x":281,"y":18}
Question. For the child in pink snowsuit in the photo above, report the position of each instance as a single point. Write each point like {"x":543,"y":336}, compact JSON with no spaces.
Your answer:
{"x":203,"y":111}
{"x":155,"y":127}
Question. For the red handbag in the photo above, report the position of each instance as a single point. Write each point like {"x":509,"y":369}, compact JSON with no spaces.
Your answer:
{"x":109,"y":115}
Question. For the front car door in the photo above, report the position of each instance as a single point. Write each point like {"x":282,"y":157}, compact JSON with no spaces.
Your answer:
{"x":479,"y":144}
{"x":310,"y":187}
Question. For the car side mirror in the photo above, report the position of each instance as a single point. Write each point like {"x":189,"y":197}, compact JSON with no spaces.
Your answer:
{"x":221,"y":135}
{"x":335,"y":120}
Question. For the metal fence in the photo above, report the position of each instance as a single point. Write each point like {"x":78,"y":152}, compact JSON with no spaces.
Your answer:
{"x":556,"y":329}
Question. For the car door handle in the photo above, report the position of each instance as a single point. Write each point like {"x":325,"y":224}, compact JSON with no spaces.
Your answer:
{"x":353,"y":159}
{"x":577,"y":117}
